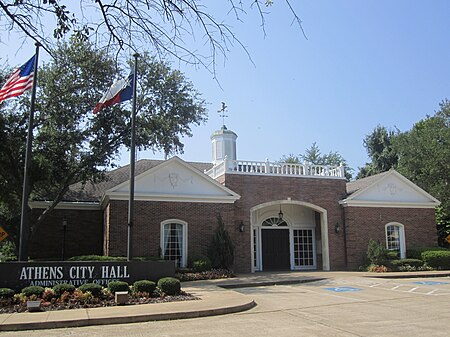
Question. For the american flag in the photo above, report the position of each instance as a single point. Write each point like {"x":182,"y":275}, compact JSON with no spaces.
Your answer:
{"x":20,"y":81}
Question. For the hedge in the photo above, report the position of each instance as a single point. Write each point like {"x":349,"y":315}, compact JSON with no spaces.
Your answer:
{"x":396,"y":264}
{"x":170,"y":285}
{"x":144,"y":286}
{"x":61,"y":288}
{"x":33,"y":290}
{"x":416,"y":253}
{"x":93,"y":288}
{"x":201,"y":264}
{"x":439,"y":259}
{"x":115,"y":286}
{"x":6,"y":293}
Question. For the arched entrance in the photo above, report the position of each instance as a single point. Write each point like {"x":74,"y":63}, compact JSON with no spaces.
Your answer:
{"x":289,"y":235}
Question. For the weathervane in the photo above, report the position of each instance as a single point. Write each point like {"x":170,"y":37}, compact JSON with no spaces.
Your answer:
{"x":221,"y":112}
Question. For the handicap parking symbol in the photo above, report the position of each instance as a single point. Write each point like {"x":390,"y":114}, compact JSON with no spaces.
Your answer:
{"x":430,"y":283}
{"x":343,"y":289}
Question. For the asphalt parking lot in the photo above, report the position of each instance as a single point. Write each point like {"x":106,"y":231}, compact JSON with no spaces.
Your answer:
{"x":338,"y":306}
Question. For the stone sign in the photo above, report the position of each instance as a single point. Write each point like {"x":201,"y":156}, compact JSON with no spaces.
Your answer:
{"x":17,"y":275}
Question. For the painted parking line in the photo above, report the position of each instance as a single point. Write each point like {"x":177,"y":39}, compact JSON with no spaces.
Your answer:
{"x":343,"y":289}
{"x":430,"y":283}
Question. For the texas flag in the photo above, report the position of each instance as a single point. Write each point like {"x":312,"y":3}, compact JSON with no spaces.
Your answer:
{"x":120,"y":91}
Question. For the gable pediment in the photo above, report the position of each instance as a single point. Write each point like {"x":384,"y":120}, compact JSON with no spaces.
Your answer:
{"x":174,"y":180}
{"x":391,"y":190}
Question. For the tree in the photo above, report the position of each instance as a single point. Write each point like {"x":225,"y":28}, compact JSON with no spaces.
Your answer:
{"x":221,"y":250}
{"x":379,"y":147}
{"x":315,"y":157}
{"x":179,"y":28}
{"x":424,"y":158}
{"x":70,"y":143}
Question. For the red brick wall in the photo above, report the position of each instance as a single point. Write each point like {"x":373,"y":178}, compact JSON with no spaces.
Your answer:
{"x":255,"y":190}
{"x":365,"y":223}
{"x":200,"y":217}
{"x":83,"y":234}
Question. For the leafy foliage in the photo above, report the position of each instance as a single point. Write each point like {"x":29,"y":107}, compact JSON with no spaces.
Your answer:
{"x":115,"y":286}
{"x":424,"y":157}
{"x":376,"y":253}
{"x":73,"y":146}
{"x":380,"y":149}
{"x":201,"y":264}
{"x":59,"y":289}
{"x":439,"y":259}
{"x":221,"y":249}
{"x":33,"y":290}
{"x":396,"y":265}
{"x":169,"y":286}
{"x":144,"y":286}
{"x":93,"y":288}
{"x":421,"y":154}
{"x":7,"y":251}
{"x":6,"y":293}
{"x":314,"y":156}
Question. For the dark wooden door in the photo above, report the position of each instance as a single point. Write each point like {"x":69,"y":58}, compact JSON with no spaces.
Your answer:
{"x":275,"y":249}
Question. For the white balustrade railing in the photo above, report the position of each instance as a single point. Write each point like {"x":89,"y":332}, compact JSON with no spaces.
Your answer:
{"x":265,"y":168}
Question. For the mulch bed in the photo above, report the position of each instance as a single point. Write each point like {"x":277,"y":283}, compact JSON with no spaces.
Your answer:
{"x":6,"y":306}
{"x":11,"y":306}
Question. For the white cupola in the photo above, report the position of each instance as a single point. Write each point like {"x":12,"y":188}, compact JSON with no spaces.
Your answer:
{"x":223,"y":144}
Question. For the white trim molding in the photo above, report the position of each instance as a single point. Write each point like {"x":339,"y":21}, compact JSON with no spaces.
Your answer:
{"x":184,"y":252}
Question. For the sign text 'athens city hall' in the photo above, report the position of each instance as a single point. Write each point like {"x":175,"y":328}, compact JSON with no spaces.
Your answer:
{"x":48,"y":274}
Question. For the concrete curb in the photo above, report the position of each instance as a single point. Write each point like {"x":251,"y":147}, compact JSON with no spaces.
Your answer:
{"x":268,"y":283}
{"x":401,"y":275}
{"x":218,"y":302}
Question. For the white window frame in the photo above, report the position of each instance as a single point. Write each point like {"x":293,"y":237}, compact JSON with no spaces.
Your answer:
{"x":402,"y":243}
{"x":314,"y":251}
{"x":184,"y":225}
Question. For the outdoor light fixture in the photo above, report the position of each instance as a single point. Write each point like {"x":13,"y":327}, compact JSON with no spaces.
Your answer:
{"x":64,"y":225}
{"x":337,"y":227}
{"x":280,"y":216}
{"x":241,"y":227}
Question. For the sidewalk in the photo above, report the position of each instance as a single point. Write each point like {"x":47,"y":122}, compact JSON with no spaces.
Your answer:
{"x":216,"y":298}
{"x":213,"y":301}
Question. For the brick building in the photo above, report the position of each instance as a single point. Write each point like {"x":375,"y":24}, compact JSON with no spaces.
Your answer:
{"x":280,"y":216}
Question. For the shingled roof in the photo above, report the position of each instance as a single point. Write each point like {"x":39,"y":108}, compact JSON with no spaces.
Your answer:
{"x":93,"y":192}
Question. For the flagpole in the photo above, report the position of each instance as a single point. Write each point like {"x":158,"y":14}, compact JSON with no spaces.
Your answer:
{"x":25,"y":218}
{"x":132,"y":163}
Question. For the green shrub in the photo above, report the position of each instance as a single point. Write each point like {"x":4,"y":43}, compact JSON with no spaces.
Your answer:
{"x":33,"y":290}
{"x":97,"y":258}
{"x":398,"y":264}
{"x":416,"y":253}
{"x":170,"y":285}
{"x":116,"y":286}
{"x":144,"y":286}
{"x":59,"y":289}
{"x":6,"y":293}
{"x":201,"y":264}
{"x":439,"y":259}
{"x":376,"y":253}
{"x":221,"y":249}
{"x":392,"y":255}
{"x":93,"y":288}
{"x":7,"y":251}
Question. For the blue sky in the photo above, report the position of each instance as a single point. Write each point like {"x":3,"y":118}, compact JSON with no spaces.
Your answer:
{"x":363,"y":63}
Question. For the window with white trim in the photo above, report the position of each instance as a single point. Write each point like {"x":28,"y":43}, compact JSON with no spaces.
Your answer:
{"x":304,"y":253}
{"x":395,"y":239}
{"x":174,"y":241}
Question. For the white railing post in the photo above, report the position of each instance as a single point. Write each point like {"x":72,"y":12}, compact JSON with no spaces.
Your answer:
{"x":225,"y":164}
{"x":342,"y":170}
